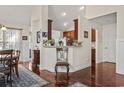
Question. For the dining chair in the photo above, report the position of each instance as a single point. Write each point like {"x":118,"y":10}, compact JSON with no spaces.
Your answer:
{"x":17,"y":55}
{"x":6,"y":56}
{"x":14,"y":64}
{"x":2,"y":80}
{"x":62,"y":60}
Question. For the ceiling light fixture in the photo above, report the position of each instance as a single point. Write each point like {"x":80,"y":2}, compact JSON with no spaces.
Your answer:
{"x":3,"y":27}
{"x":64,"y":14}
{"x":82,"y":8}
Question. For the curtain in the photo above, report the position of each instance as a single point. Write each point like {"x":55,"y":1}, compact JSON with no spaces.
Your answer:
{"x":10,"y":39}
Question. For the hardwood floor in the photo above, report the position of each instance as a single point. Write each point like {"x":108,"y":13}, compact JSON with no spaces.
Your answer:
{"x":104,"y":76}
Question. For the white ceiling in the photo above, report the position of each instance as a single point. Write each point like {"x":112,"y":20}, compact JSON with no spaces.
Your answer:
{"x":21,"y":14}
{"x":15,"y":14}
{"x":55,"y":14}
{"x":106,"y":19}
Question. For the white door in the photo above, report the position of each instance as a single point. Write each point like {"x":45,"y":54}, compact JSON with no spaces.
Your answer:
{"x":109,"y":43}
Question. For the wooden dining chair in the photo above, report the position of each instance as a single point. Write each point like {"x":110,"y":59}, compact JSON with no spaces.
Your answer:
{"x":14,"y":64}
{"x":62,"y":60}
{"x":17,"y":55}
{"x":2,"y":80}
{"x":6,"y":56}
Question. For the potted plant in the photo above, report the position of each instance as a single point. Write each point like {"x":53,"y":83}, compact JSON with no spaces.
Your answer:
{"x":45,"y":42}
{"x":52,"y":42}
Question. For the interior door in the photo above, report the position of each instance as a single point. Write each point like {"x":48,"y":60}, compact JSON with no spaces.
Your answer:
{"x":109,"y":43}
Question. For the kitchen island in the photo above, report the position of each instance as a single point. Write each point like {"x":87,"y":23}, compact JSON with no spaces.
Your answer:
{"x":75,"y":58}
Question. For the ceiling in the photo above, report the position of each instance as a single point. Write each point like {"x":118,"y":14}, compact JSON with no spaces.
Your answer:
{"x":55,"y":13}
{"x":15,"y":14}
{"x":106,"y":19}
{"x":21,"y":14}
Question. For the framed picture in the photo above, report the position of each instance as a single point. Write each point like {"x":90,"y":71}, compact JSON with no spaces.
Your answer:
{"x":85,"y":34}
{"x":44,"y":34}
{"x":24,"y":37}
{"x":38,"y":37}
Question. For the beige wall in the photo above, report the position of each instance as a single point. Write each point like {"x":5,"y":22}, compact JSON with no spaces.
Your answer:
{"x":120,"y":23}
{"x":120,"y":41}
{"x":85,"y":51}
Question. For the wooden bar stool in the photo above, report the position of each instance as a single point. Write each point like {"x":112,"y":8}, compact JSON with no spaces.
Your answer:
{"x":62,"y":60}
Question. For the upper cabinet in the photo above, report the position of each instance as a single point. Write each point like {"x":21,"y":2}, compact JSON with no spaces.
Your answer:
{"x":69,"y":34}
{"x":76,"y":29}
{"x":49,"y":29}
{"x":93,"y":35}
{"x":73,"y":34}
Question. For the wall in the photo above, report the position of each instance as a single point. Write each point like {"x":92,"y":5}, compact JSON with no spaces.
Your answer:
{"x":25,"y":45}
{"x":35,"y":25}
{"x":56,"y":34}
{"x":120,"y":22}
{"x":99,"y":44}
{"x":120,"y":41}
{"x":85,"y":51}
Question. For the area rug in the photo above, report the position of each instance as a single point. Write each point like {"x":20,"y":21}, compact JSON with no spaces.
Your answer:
{"x":78,"y":84}
{"x":28,"y":79}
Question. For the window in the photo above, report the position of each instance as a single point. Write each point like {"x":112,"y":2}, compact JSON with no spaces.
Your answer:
{"x":10,"y":39}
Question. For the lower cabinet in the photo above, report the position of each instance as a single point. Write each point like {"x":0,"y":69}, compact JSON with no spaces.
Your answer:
{"x":36,"y":61}
{"x":93,"y":61}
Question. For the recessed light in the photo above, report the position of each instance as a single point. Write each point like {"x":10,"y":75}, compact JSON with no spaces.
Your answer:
{"x":82,"y":7}
{"x":64,"y":14}
{"x":65,"y":24}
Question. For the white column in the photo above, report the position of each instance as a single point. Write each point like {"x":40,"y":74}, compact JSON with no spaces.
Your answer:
{"x":120,"y":41}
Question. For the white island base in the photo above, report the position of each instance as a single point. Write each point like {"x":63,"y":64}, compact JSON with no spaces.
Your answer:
{"x":75,"y":59}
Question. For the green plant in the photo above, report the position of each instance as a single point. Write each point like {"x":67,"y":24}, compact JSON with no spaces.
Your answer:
{"x":45,"y":41}
{"x":52,"y":41}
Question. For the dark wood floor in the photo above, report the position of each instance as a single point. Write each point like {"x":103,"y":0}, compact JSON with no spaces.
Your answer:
{"x":103,"y":76}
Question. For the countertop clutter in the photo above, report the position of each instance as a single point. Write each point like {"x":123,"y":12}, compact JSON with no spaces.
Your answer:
{"x":62,"y":46}
{"x":61,"y":43}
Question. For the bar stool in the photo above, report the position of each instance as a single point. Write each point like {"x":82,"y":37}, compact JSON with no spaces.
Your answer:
{"x":62,"y":60}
